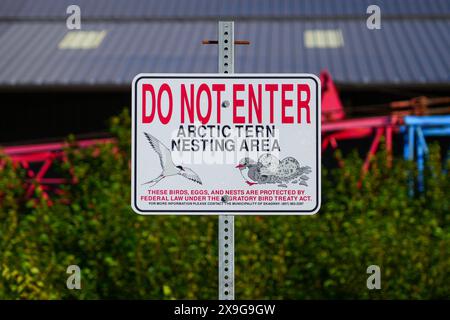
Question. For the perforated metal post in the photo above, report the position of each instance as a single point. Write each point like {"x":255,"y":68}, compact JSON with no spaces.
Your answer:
{"x":226,"y":46}
{"x":226,"y":257}
{"x":226,"y":222}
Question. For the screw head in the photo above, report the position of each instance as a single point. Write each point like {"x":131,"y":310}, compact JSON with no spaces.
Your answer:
{"x":225,"y":104}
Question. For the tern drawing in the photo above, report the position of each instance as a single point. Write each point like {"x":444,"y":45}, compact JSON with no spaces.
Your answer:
{"x":167,"y":165}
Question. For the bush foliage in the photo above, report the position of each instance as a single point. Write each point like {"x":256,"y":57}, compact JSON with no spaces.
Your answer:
{"x":124,"y":255}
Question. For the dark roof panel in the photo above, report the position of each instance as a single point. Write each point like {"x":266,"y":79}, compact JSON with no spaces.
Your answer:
{"x":402,"y":52}
{"x":148,"y":9}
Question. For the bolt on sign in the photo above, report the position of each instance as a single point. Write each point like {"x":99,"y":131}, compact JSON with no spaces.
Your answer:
{"x":221,"y":144}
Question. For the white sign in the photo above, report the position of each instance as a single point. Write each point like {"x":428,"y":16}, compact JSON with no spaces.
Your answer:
{"x":226,"y":144}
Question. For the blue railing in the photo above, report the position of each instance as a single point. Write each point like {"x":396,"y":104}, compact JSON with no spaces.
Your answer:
{"x":416,"y":130}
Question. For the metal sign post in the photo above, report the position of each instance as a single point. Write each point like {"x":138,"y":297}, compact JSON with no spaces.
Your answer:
{"x":226,"y":44}
{"x":226,"y":222}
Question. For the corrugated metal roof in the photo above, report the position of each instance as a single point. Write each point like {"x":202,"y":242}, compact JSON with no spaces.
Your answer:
{"x":403,"y":52}
{"x":141,"y":9}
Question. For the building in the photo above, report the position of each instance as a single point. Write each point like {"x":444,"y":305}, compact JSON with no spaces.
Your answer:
{"x":55,"y":81}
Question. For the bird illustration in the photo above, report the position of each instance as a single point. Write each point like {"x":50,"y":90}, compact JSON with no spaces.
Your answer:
{"x":269,"y":169}
{"x":167,"y":165}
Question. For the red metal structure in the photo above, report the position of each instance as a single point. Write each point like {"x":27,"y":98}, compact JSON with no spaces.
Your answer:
{"x":38,"y":159}
{"x":335,"y":126}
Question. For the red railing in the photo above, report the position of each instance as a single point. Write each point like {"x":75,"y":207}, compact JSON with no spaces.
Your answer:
{"x":38,"y":159}
{"x":336,"y":127}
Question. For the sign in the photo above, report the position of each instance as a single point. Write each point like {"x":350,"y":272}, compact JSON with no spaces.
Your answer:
{"x":225,"y":144}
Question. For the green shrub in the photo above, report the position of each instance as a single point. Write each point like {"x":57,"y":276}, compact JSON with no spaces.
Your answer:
{"x":124,"y":255}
